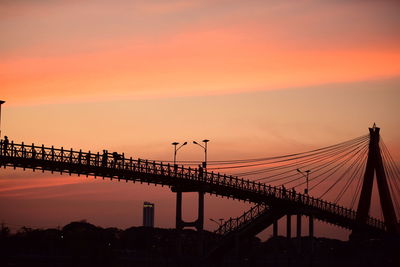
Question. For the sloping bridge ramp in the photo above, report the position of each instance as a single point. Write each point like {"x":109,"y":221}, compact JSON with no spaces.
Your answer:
{"x":248,"y":224}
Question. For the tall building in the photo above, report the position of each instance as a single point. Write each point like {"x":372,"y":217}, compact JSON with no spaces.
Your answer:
{"x":148,"y":214}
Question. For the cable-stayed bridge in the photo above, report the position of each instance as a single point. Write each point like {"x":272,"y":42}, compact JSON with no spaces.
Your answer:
{"x":273,"y":184}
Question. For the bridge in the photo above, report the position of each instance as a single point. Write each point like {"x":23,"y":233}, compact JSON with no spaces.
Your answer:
{"x":271,"y":201}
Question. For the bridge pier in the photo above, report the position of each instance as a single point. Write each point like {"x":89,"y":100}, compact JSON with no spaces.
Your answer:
{"x":179,"y":222}
{"x":178,"y":219}
{"x":298,"y":232}
{"x":311,"y":226}
{"x":289,"y":226}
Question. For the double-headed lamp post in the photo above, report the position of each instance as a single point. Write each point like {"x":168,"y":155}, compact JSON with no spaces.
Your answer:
{"x":1,"y":103}
{"x":176,"y":149}
{"x":205,"y":141}
{"x":306,"y":176}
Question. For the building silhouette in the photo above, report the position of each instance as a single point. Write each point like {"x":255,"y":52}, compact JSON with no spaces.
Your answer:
{"x":148,"y":214}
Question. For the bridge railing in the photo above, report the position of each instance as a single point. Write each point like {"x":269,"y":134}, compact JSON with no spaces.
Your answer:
{"x":115,"y":161}
{"x":235,"y":223}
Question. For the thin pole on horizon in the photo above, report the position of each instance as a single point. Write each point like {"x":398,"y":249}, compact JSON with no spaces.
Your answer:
{"x":1,"y":103}
{"x":306,"y":176}
{"x":205,"y":151}
{"x":176,"y":149}
{"x":221,"y":220}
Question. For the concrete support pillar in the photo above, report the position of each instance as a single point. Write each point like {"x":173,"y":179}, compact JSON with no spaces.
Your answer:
{"x":199,"y":223}
{"x":298,"y":226}
{"x":275,"y":228}
{"x":179,"y":224}
{"x":200,"y":217}
{"x":289,"y":226}
{"x":298,"y":233}
{"x":311,"y":233}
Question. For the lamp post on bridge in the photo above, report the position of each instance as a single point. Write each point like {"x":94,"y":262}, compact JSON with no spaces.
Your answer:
{"x":205,"y":152}
{"x":306,"y":176}
{"x":1,"y":103}
{"x":176,"y":150}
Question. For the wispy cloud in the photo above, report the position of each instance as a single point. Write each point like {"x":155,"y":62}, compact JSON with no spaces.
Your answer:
{"x":30,"y":187}
{"x":144,"y":50}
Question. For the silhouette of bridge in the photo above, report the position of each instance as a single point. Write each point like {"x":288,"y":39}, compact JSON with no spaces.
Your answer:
{"x":271,"y":202}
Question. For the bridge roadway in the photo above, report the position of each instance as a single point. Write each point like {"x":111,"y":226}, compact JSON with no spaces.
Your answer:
{"x":178,"y":177}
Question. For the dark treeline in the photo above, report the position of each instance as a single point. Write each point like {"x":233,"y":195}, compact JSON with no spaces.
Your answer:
{"x":83,"y":244}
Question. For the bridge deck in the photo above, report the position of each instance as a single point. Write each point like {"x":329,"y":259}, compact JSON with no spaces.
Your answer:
{"x":129,"y":169}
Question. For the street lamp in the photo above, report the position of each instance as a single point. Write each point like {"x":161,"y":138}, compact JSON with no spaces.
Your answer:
{"x":176,"y":149}
{"x":205,"y":141}
{"x":1,"y":103}
{"x":306,"y":176}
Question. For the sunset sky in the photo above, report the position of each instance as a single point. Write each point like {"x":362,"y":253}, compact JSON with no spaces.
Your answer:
{"x":257,"y":78}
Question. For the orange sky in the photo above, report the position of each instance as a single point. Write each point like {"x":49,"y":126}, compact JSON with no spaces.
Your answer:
{"x":122,"y":50}
{"x":257,"y":78}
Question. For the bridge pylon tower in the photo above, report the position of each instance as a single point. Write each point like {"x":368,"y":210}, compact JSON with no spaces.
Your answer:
{"x":375,"y":166}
